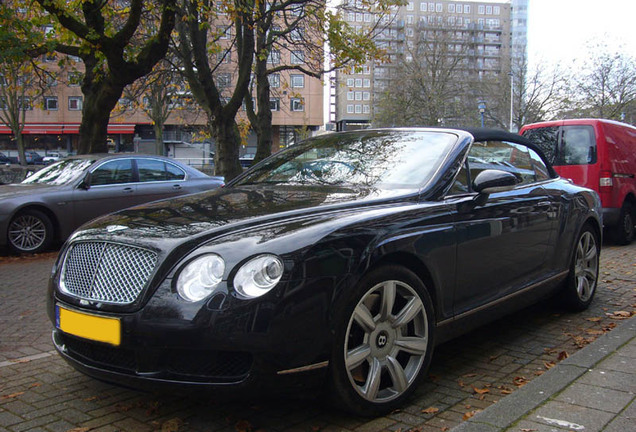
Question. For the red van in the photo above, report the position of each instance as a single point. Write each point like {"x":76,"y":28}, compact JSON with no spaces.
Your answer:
{"x":598,"y":154}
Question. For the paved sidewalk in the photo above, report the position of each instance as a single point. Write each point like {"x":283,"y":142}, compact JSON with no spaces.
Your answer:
{"x":593,"y":390}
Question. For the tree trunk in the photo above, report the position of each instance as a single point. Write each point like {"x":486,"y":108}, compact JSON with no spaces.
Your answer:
{"x":19,"y":141}
{"x":159,"y":148}
{"x":264,"y":115}
{"x":101,"y":97}
{"x":226,"y":157}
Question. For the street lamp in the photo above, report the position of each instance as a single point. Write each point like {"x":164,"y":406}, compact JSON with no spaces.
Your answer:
{"x":482,"y":110}
{"x":512,"y":92}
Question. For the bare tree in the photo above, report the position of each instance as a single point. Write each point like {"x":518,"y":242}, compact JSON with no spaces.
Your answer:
{"x":430,"y":85}
{"x":606,"y":84}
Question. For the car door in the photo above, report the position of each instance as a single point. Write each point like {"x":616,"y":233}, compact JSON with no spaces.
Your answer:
{"x":502,"y":242}
{"x":112,"y":187}
{"x":159,"y":179}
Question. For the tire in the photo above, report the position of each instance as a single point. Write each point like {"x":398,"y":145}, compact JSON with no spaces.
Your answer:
{"x":383,"y":342}
{"x":581,"y":283}
{"x":624,"y":230}
{"x":30,"y":231}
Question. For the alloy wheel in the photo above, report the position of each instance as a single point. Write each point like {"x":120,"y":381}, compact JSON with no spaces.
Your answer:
{"x":586,"y":266}
{"x":27,"y":232}
{"x":386,"y":341}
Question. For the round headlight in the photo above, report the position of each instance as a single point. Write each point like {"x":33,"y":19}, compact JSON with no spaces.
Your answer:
{"x":257,"y":276}
{"x":200,"y":277}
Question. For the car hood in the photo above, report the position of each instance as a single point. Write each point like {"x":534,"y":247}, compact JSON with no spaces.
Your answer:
{"x":210,"y":214}
{"x":23,"y":189}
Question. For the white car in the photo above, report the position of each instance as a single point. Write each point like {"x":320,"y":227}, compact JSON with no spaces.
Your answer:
{"x":51,"y":157}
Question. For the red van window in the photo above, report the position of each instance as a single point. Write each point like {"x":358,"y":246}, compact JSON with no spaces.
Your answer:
{"x":578,"y":146}
{"x":565,"y":145}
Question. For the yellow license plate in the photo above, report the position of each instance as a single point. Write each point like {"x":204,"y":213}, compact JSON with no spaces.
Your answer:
{"x":87,"y":326}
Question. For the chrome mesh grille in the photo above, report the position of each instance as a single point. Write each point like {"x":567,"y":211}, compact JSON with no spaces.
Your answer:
{"x":106,"y":272}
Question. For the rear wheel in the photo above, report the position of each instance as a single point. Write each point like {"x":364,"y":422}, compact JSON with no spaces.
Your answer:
{"x":580,"y":285}
{"x":384,"y":341}
{"x":30,"y":231}
{"x":624,"y":230}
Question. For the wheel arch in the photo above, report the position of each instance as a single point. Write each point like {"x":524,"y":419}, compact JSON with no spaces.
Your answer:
{"x":415,"y":265}
{"x":47,"y":212}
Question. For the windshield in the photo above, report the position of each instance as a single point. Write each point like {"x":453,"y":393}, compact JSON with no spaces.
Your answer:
{"x":61,"y":173}
{"x":381,"y":158}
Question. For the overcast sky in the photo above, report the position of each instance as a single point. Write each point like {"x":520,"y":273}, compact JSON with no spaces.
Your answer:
{"x":558,"y":30}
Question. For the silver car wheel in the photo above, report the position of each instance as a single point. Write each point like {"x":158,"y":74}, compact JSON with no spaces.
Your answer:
{"x":27,"y":232}
{"x":586,"y":266}
{"x":385,"y":349}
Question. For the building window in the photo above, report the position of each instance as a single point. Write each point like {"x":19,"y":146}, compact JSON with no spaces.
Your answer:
{"x":296,"y":34}
{"x":451,"y":8}
{"x":350,"y":95}
{"x":297,"y":81}
{"x":458,"y":8}
{"x":224,"y":57}
{"x":466,"y":9}
{"x":350,"y":82}
{"x":358,"y":109}
{"x":488,"y":10}
{"x":24,"y":104}
{"x":297,"y":104}
{"x":496,"y":10}
{"x":297,"y":57}
{"x":74,"y":78}
{"x":358,"y":96}
{"x":273,"y":57}
{"x":439,"y":7}
{"x":223,"y":80}
{"x":3,"y":104}
{"x":351,"y":16}
{"x":481,"y":9}
{"x":409,"y":19}
{"x":274,"y":80}
{"x":274,"y":104}
{"x":366,"y":96}
{"x":358,"y":82}
{"x":74,"y":103}
{"x":224,"y":32}
{"x":410,"y":6}
{"x":423,"y":7}
{"x":349,"y":109}
{"x":50,"y":103}
{"x":366,"y":109}
{"x":367,"y":83}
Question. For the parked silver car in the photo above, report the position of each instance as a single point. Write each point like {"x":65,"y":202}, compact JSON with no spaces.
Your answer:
{"x":50,"y":204}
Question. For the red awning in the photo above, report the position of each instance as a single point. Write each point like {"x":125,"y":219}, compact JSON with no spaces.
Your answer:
{"x":66,"y":128}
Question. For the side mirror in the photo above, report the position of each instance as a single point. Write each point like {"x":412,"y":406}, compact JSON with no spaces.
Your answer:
{"x":490,"y":179}
{"x":86,"y":182}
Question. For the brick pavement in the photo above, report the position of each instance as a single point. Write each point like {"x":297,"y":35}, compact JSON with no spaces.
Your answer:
{"x":39,"y":392}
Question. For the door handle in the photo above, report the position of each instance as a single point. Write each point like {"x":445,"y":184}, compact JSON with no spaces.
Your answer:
{"x":176,"y":187}
{"x":128,"y":190}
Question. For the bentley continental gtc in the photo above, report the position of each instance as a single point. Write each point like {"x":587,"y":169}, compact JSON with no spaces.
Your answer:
{"x":346,"y":257}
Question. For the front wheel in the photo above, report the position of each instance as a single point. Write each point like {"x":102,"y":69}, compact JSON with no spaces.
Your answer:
{"x":30,"y":231}
{"x":580,"y":285}
{"x":384,"y":341}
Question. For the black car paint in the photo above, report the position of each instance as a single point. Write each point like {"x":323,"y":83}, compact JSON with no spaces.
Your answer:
{"x":328,"y":240}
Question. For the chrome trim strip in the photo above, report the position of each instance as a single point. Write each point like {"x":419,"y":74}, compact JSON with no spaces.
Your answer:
{"x":502,"y":299}
{"x":304,"y":368}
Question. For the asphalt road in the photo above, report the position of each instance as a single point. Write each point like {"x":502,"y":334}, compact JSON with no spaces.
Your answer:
{"x":40,"y":392}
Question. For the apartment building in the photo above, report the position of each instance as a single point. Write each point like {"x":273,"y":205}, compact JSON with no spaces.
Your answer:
{"x":52,"y":121}
{"x":486,"y":34}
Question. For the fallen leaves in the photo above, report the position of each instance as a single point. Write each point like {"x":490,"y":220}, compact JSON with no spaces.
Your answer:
{"x":172,"y":425}
{"x":505,"y":390}
{"x":620,"y":315}
{"x":12,"y":395}
{"x":430,"y":410}
{"x":520,"y":381}
{"x":480,"y":391}
{"x":469,"y":414}
{"x":549,"y":364}
{"x":563,"y":355}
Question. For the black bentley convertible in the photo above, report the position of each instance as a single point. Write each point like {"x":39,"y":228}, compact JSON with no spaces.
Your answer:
{"x":346,"y":257}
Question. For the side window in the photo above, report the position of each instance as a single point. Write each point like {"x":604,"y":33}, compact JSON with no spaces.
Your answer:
{"x":578,"y":145}
{"x":151,"y":170}
{"x":540,"y":169}
{"x":503,"y":156}
{"x":173,"y":172}
{"x":113,"y":172}
{"x":461,"y":185}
